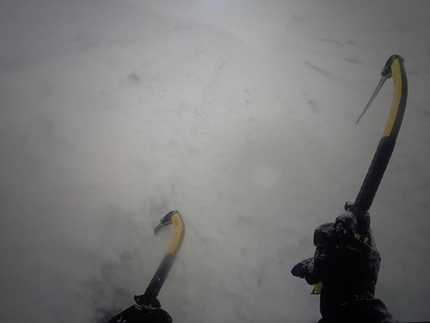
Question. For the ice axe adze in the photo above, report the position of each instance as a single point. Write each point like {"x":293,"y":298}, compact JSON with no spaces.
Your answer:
{"x":157,"y":281}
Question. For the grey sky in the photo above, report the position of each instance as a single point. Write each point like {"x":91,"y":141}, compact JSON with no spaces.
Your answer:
{"x":240,"y":114}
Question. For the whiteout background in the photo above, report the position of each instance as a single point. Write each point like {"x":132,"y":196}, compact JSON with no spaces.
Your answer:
{"x":240,"y":114}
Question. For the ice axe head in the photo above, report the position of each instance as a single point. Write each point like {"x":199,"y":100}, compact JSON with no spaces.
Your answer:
{"x":165,"y":221}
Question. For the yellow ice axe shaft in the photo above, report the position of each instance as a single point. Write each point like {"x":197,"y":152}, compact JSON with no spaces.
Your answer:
{"x":157,"y":281}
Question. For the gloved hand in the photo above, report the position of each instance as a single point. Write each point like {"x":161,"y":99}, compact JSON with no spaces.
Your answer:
{"x":152,"y":313}
{"x":347,"y":262}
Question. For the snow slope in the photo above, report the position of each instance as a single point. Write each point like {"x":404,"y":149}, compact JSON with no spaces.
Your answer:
{"x":240,"y":114}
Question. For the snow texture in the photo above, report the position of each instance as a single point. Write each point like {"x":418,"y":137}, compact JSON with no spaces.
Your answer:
{"x":239,"y":114}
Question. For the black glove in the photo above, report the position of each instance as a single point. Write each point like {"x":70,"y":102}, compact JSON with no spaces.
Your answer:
{"x":346,"y":261}
{"x":143,"y":314}
{"x":312,"y":269}
{"x":343,"y":252}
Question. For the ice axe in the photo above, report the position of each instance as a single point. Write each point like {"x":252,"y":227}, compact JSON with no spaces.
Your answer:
{"x":147,"y":307}
{"x":157,"y":281}
{"x":393,"y":68}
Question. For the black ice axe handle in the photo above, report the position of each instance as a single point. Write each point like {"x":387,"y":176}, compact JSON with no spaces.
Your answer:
{"x":157,"y":281}
{"x":393,"y":68}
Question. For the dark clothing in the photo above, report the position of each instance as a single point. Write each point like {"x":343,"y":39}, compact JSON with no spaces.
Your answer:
{"x":347,"y":262}
{"x":360,"y":311}
{"x":142,"y":314}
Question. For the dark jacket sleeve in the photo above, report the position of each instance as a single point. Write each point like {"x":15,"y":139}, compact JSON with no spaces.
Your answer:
{"x":361,"y":311}
{"x":142,"y":314}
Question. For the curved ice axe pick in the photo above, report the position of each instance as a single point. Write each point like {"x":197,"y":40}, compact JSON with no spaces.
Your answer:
{"x":157,"y":281}
{"x":393,"y":68}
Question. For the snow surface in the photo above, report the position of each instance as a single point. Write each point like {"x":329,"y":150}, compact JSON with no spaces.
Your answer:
{"x":240,"y":114}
